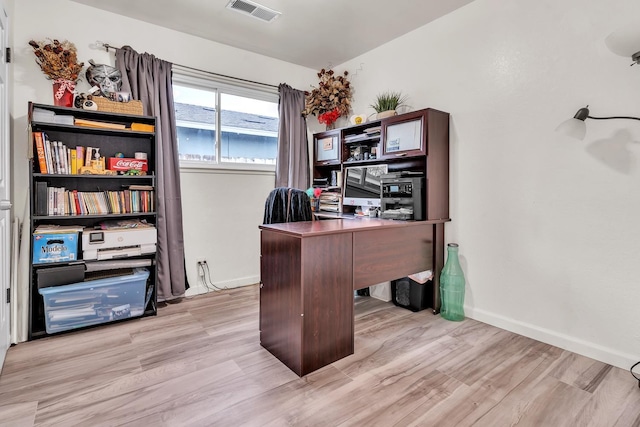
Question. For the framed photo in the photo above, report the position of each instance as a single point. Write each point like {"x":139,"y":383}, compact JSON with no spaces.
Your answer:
{"x":327,"y":149}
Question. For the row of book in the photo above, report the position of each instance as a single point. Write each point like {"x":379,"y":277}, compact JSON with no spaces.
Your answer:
{"x":54,"y":157}
{"x":60,"y":201}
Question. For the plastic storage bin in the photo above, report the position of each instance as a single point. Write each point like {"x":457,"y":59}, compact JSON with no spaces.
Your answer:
{"x":94,"y":302}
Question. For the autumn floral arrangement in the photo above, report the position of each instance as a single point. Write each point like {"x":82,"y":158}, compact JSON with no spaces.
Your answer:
{"x":331,"y":99}
{"x":59,"y":62}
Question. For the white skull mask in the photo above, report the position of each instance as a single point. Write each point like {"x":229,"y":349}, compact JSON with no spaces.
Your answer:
{"x":106,"y":77}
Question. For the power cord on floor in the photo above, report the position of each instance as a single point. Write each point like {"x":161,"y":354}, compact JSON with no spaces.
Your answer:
{"x":206,"y":277}
{"x":202,"y":274}
{"x":634,"y":375}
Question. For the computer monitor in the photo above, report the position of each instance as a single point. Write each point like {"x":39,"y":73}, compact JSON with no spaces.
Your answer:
{"x":362,"y":186}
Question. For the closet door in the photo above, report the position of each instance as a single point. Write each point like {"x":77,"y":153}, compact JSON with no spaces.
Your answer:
{"x":5,"y":202}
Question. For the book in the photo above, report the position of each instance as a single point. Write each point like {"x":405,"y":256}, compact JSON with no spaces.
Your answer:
{"x":61,"y":156}
{"x":127,"y":201}
{"x":77,"y":202}
{"x":61,"y":202}
{"x":42,"y":202}
{"x":62,"y":153}
{"x":57,"y":229}
{"x":56,"y":157}
{"x":79,"y":158}
{"x":42,"y":160}
{"x":50,"y":204}
{"x":67,"y":203}
{"x":47,"y":153}
{"x":140,"y":187}
{"x":74,"y":161}
{"x":97,"y":124}
{"x":88,"y":156}
{"x":84,"y":207}
{"x":68,"y":159}
{"x":141,"y":127}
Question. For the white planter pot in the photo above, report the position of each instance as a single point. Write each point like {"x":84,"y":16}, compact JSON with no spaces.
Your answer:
{"x":384,"y":114}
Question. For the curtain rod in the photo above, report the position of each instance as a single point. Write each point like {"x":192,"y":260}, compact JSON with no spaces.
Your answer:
{"x":107,"y":46}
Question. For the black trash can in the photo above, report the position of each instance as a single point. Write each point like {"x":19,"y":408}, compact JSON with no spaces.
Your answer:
{"x":409,"y":294}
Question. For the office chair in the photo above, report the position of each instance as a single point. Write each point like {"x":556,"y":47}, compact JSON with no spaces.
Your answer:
{"x":286,"y":204}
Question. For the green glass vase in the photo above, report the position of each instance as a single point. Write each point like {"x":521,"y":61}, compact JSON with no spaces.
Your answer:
{"x":452,"y":286}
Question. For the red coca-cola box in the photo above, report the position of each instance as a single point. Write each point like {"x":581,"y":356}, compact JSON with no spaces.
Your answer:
{"x":123,"y":164}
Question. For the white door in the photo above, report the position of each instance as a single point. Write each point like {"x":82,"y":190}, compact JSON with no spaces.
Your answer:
{"x":5,"y":189}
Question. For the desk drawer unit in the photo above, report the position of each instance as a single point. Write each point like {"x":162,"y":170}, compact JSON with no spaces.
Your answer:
{"x":306,"y":299}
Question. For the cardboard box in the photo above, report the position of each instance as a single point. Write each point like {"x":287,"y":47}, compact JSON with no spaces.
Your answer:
{"x":55,"y":247}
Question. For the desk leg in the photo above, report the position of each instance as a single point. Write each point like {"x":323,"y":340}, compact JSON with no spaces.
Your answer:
{"x":438,"y":264}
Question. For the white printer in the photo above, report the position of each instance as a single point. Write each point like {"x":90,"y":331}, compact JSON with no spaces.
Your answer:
{"x":118,"y":242}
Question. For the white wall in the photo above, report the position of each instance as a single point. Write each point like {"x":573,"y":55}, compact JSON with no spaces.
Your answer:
{"x":222,"y":210}
{"x":548,"y":227}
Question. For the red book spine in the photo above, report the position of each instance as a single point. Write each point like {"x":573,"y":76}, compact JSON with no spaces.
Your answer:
{"x":77,"y":202}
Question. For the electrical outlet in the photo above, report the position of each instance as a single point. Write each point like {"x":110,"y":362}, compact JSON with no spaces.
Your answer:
{"x":200,"y":266}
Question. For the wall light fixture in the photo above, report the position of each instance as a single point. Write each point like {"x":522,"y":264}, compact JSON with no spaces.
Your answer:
{"x":577,"y":128}
{"x":625,"y":42}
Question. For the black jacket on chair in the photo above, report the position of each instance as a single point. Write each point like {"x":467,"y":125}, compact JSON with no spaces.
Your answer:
{"x":286,"y":204}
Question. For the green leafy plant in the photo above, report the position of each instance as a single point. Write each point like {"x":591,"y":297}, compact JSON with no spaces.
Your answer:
{"x":388,"y":101}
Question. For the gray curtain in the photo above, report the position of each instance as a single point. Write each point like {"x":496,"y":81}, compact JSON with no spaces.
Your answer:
{"x":149,"y":80}
{"x":292,"y":165}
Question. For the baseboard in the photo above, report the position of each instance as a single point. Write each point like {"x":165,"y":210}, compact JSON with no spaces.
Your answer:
{"x":200,"y":288}
{"x":566,"y":342}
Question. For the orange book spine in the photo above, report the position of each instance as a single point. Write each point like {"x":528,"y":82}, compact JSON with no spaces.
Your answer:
{"x":42,"y":161}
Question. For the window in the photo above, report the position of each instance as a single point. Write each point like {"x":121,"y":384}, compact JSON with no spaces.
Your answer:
{"x":222,"y":122}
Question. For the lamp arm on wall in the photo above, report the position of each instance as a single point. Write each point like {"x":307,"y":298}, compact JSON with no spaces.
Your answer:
{"x":576,"y":127}
{"x":613,"y":117}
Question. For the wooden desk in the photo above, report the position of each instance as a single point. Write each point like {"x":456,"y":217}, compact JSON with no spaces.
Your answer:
{"x":309,"y":271}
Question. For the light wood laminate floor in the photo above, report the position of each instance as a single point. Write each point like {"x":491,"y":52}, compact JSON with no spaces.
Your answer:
{"x":199,"y":363}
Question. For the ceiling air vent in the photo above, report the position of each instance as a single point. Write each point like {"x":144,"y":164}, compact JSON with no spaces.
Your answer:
{"x":256,"y":10}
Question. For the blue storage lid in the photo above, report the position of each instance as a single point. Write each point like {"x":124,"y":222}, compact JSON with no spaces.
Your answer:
{"x":139,"y":274}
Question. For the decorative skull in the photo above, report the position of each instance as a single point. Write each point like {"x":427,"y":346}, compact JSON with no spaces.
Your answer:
{"x":106,"y":77}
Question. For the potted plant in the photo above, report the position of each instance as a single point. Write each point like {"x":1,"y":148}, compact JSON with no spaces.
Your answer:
{"x":387,"y":103}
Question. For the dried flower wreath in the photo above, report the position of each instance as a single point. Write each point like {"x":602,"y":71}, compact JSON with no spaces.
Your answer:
{"x":331,"y":99}
{"x":57,"y":60}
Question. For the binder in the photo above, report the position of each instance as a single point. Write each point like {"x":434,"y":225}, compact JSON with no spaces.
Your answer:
{"x":42,"y":200}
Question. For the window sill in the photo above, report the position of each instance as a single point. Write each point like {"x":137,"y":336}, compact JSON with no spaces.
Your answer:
{"x":242,"y":168}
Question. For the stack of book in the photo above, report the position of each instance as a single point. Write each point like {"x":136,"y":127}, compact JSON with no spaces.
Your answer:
{"x":330,"y":200}
{"x":363,"y":136}
{"x":320,"y":182}
{"x":373,"y":130}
